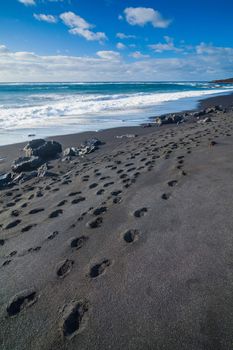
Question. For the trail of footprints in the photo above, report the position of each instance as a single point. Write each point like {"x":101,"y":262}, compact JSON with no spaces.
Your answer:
{"x":75,"y":314}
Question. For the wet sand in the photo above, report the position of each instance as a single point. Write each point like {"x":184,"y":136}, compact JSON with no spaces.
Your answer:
{"x":130,"y":247}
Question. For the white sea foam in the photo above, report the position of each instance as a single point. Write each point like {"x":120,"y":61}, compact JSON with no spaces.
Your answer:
{"x":48,"y":110}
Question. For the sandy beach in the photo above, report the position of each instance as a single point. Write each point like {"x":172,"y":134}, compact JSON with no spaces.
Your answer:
{"x":128,"y":247}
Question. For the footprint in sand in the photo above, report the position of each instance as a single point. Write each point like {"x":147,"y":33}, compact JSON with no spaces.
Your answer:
{"x":95,"y":223}
{"x":24,"y":205}
{"x":85,"y":178}
{"x":53,"y":235}
{"x":63,"y":202}
{"x":35,"y":249}
{"x":64,"y":268}
{"x":99,"y":211}
{"x":98,"y":193}
{"x":28,"y":227}
{"x":165,"y":196}
{"x":131,"y":236}
{"x":78,"y":200}
{"x":12,"y":254}
{"x":116,"y":193}
{"x":15,"y":213}
{"x":108,"y":184}
{"x":12,"y":224}
{"x":56,"y":213}
{"x":74,"y":318}
{"x":36,"y":211}
{"x":172,"y":183}
{"x":21,"y":301}
{"x":116,"y":200}
{"x":78,"y":242}
{"x":9,"y":205}
{"x":140,"y":212}
{"x":99,"y":269}
{"x":94,"y":185}
{"x":72,"y":194}
{"x":7,"y":262}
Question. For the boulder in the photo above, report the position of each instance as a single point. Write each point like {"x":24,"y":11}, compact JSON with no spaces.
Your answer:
{"x":5,"y":179}
{"x":71,"y":152}
{"x":26,"y":164}
{"x":213,"y":109}
{"x":207,"y":120}
{"x":87,"y":149}
{"x":199,"y":114}
{"x":43,"y":149}
{"x":91,"y":143}
{"x":43,"y":171}
{"x":169,"y":119}
{"x":32,"y":145}
{"x":23,"y":177}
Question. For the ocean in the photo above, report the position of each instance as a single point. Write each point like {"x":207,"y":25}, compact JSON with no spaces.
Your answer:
{"x":47,"y":109}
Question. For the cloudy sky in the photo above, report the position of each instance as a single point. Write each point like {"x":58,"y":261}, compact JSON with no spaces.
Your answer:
{"x":115,"y":40}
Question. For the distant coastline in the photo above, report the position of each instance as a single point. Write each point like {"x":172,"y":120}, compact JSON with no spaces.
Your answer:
{"x":223,"y":81}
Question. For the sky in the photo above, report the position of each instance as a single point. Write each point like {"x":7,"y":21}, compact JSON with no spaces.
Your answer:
{"x":115,"y":40}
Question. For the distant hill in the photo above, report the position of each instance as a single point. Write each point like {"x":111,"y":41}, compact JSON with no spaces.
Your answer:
{"x":224,"y":81}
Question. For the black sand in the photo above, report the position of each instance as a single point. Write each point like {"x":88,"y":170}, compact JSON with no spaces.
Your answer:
{"x":130,"y":247}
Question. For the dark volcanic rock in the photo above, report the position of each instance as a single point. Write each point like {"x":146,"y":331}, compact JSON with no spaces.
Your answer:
{"x":5,"y":179}
{"x":43,"y":171}
{"x":90,"y":146}
{"x":71,"y":152}
{"x":43,"y":149}
{"x":26,"y":164}
{"x":23,"y":177}
{"x":92,"y":143}
{"x":86,"y":147}
{"x":32,"y":145}
{"x":169,"y":119}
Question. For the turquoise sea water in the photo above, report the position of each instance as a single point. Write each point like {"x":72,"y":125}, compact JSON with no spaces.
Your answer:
{"x":61,"y":108}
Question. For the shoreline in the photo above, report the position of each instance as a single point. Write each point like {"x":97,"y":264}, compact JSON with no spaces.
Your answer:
{"x":201,"y":103}
{"x":11,"y":151}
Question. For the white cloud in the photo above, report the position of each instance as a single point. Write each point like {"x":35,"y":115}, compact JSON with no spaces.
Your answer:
{"x":3,"y":49}
{"x":109,"y":55}
{"x":45,"y":18}
{"x":79,"y":26}
{"x":209,"y":49}
{"x":138,"y":55}
{"x":167,"y":46}
{"x":120,"y":46}
{"x":145,"y":15}
{"x":125,"y":36}
{"x":27,"y":2}
{"x":110,"y":66}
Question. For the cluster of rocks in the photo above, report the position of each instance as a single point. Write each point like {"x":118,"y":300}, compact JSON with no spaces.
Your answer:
{"x":5,"y":179}
{"x":37,"y":153}
{"x":202,"y":115}
{"x":85,"y":148}
{"x":169,"y":119}
{"x":206,"y":111}
{"x":35,"y":162}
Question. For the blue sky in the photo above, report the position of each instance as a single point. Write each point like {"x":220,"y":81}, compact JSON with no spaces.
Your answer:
{"x":93,"y":40}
